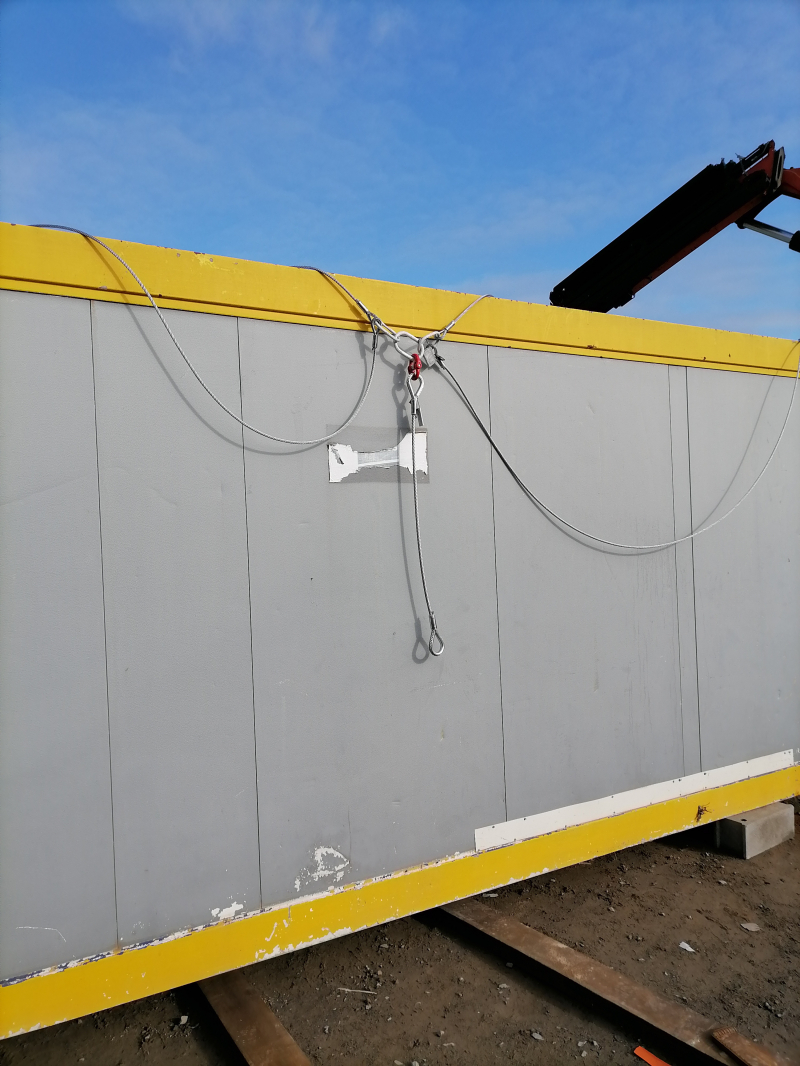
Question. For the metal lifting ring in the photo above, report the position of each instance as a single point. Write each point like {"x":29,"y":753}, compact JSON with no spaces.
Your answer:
{"x":406,"y":353}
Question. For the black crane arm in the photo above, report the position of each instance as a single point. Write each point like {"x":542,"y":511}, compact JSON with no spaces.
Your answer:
{"x":721,"y":194}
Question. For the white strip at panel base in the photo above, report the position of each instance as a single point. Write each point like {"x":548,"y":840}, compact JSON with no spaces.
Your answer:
{"x":534,"y":825}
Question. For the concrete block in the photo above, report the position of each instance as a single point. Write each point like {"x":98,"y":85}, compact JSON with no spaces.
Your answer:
{"x":752,"y":832}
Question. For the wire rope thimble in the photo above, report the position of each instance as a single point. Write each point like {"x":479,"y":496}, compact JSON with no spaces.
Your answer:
{"x":414,"y":393}
{"x":435,"y":638}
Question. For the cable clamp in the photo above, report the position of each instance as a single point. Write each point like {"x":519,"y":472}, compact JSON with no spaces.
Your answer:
{"x":430,"y":352}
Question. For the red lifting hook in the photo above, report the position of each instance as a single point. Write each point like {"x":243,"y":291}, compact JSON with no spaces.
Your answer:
{"x":415,"y":366}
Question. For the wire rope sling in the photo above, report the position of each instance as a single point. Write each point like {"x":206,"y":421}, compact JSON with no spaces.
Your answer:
{"x":419,"y":354}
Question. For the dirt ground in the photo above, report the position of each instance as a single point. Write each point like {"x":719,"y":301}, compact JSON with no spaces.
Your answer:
{"x":444,"y":996}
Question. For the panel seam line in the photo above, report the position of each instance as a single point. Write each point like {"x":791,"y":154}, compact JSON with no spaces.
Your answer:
{"x":497,"y":588}
{"x":677,"y":569}
{"x":694,"y":582}
{"x":250,"y":619}
{"x":105,"y":623}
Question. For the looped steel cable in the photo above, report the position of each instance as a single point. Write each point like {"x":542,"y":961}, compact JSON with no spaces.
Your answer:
{"x":245,"y":425}
{"x":379,"y":328}
{"x":435,"y":641}
{"x":420,"y":344}
{"x":422,"y":352}
{"x":630,"y":548}
{"x":425,"y":352}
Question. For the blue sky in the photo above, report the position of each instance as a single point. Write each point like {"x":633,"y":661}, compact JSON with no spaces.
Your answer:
{"x":466,"y":145}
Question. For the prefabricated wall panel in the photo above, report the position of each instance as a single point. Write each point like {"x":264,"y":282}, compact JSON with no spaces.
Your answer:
{"x":221,"y":732}
{"x":747,"y":592}
{"x":174,"y":531}
{"x":372,"y":755}
{"x":589,"y":639}
{"x":56,"y":842}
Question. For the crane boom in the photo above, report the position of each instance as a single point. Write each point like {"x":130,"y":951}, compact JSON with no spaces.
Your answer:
{"x":721,"y":194}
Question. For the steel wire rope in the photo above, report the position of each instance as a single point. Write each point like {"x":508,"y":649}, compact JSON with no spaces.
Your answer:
{"x":430,"y":340}
{"x":415,"y":416}
{"x":378,"y":327}
{"x":427,"y":342}
{"x":215,"y":398}
{"x":640,"y":548}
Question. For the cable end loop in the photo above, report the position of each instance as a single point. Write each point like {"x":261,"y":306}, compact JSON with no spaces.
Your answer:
{"x":435,"y":641}
{"x":414,"y":393}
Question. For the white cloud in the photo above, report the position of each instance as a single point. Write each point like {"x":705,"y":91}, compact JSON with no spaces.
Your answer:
{"x":199,"y":22}
{"x":274,"y":27}
{"x":95,"y":162}
{"x":388,"y":24}
{"x":451,"y":144}
{"x":738,"y":280}
{"x":533,"y":287}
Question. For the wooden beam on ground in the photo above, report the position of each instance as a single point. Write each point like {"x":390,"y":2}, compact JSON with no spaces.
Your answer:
{"x":751,"y":1054}
{"x":256,"y":1031}
{"x":679,"y":1022}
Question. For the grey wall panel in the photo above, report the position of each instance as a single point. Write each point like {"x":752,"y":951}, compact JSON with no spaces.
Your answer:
{"x":371,"y":753}
{"x":267,"y":713}
{"x":747,"y":573}
{"x":684,"y":568}
{"x":56,"y":850}
{"x":177,"y":609}
{"x":590,"y":666}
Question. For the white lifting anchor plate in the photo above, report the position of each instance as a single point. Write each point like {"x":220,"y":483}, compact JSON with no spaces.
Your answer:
{"x":344,"y":460}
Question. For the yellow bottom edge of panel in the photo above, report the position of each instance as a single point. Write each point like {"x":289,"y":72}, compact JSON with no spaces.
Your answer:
{"x":109,"y":980}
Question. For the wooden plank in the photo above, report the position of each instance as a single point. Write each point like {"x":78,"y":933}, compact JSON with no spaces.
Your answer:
{"x":679,"y":1022}
{"x":751,"y":1054}
{"x":256,"y":1031}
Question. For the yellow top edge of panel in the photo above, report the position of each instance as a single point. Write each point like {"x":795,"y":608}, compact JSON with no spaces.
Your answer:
{"x":67,"y":264}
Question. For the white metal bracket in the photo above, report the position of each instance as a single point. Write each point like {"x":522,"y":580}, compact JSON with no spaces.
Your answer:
{"x":344,"y":460}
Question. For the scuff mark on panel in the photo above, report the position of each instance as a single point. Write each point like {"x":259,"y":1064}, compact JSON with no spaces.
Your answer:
{"x":223,"y":913}
{"x":44,"y":929}
{"x":328,"y":862}
{"x":33,"y":1028}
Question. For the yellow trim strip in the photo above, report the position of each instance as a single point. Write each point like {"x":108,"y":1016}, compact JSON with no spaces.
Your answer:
{"x":66,"y":264}
{"x":107,"y":981}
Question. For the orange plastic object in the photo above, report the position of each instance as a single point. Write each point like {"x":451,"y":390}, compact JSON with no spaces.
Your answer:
{"x":648,"y":1056}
